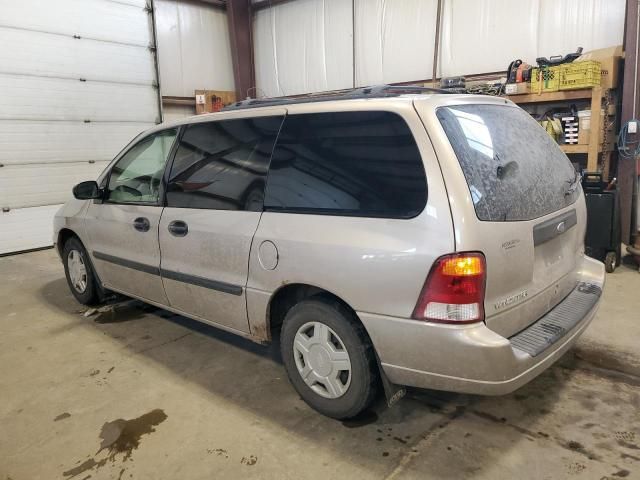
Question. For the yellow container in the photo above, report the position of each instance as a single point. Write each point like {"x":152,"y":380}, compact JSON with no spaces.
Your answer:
{"x":546,"y":79}
{"x":576,"y":75}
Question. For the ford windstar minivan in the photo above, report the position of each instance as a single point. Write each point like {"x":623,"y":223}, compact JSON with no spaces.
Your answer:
{"x":389,"y":236}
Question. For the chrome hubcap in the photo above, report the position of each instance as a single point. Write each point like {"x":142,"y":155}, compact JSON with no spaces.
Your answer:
{"x":321,"y":359}
{"x":77,"y":271}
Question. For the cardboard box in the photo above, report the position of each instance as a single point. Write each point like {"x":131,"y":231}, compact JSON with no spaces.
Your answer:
{"x":610,"y":60}
{"x":517,"y":88}
{"x":209,"y":101}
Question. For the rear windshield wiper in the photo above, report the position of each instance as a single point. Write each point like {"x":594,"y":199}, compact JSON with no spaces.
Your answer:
{"x":573,"y":184}
{"x":508,"y":169}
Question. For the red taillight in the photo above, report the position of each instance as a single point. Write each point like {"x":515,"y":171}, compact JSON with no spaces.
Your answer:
{"x":454,"y":290}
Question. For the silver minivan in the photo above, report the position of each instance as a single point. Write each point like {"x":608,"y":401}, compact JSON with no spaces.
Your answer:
{"x":390,"y":236}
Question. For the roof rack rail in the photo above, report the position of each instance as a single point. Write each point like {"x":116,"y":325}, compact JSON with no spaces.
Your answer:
{"x":376,"y":91}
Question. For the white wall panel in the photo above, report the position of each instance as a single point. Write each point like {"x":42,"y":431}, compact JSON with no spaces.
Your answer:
{"x":59,"y":142}
{"x":569,"y":24}
{"x":264,"y":54}
{"x":28,"y":98}
{"x":45,"y":54}
{"x":486,"y":35}
{"x":303,"y":46}
{"x":193,"y":47}
{"x":394,"y":40}
{"x":177,"y":112}
{"x":26,"y":228}
{"x":35,"y":185}
{"x":96,"y":19}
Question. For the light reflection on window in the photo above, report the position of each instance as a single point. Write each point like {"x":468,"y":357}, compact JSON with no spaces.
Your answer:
{"x":475,"y":131}
{"x":476,"y":196}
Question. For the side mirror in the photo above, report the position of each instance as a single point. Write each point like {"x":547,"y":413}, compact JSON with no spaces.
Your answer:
{"x":87,"y":190}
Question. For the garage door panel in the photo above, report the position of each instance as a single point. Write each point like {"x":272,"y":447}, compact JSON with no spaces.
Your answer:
{"x":78,"y":83}
{"x":45,"y":98}
{"x":52,"y":142}
{"x":37,"y":185}
{"x":44,"y":54}
{"x":133,"y":3}
{"x":97,"y":19}
{"x":28,"y":228}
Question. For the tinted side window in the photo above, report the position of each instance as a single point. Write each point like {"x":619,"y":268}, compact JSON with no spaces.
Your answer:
{"x":223,"y":165}
{"x":137,"y":176}
{"x":347,"y":163}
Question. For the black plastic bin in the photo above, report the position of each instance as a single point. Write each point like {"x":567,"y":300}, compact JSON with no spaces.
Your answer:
{"x":602,"y":241}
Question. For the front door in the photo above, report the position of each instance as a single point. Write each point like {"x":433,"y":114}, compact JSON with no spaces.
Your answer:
{"x":214,"y":202}
{"x":123,"y":228}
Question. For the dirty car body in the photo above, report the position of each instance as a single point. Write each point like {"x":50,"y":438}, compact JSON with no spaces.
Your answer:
{"x":445,"y":231}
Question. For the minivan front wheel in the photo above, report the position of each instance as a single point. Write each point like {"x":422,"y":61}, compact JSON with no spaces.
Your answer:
{"x":329,"y":358}
{"x":77,"y":269}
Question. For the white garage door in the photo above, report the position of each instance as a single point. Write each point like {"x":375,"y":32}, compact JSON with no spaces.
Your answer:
{"x":77,"y":82}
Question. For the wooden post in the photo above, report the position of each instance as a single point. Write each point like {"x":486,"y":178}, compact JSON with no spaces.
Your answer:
{"x":594,"y":135}
{"x":436,"y":46}
{"x":606,"y":165}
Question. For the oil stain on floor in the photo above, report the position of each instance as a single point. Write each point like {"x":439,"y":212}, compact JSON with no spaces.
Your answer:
{"x":120,"y":437}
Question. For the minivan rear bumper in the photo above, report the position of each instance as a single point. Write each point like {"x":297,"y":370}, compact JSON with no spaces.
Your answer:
{"x":473,"y":358}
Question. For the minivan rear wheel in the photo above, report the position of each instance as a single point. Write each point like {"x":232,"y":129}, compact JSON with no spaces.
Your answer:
{"x":79,"y":273}
{"x":329,"y":358}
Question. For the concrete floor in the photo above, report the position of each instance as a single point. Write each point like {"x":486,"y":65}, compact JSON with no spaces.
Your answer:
{"x":141,"y":393}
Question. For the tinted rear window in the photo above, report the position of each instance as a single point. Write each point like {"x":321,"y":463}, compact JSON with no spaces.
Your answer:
{"x":347,"y":163}
{"x":223,"y":165}
{"x":513,"y":168}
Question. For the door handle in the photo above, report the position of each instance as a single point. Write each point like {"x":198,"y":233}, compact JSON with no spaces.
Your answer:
{"x":178,"y":228}
{"x":141,"y":224}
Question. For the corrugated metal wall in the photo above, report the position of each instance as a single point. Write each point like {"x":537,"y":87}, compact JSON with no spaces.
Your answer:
{"x":194,"y":51}
{"x":306,"y":45}
{"x":77,"y":82}
{"x":193,"y":47}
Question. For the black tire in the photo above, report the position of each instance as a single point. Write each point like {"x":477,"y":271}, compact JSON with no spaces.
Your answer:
{"x":364,"y":383}
{"x":90,"y":295}
{"x":610,"y":262}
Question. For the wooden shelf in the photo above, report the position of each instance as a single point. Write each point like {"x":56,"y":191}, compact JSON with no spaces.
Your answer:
{"x":546,"y":97}
{"x":595,"y":95}
{"x":575,"y":148}
{"x":187,"y":101}
{"x":584,"y":148}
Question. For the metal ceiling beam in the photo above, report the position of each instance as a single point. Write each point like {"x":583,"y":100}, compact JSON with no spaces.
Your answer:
{"x":240,"y":34}
{"x":215,"y":3}
{"x":262,"y":4}
{"x":627,"y":167}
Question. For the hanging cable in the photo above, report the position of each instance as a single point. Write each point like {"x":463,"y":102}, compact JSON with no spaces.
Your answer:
{"x":628,"y":148}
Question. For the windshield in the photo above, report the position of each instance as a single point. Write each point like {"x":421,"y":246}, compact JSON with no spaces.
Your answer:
{"x":514,"y":169}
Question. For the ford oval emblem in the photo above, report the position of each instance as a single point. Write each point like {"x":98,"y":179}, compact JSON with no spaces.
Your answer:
{"x":561,"y":227}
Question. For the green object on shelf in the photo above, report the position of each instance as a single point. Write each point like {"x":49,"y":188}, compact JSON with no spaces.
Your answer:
{"x":545,"y":79}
